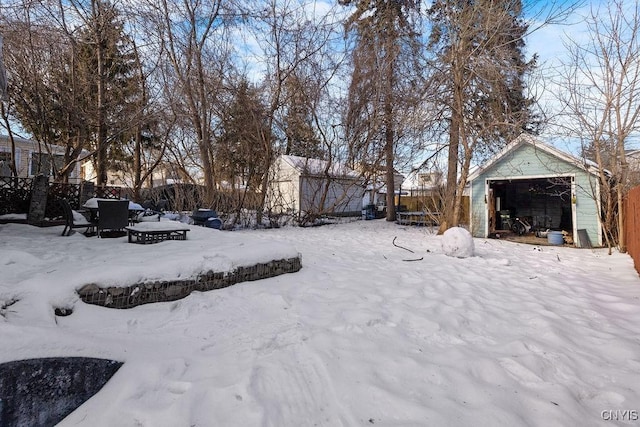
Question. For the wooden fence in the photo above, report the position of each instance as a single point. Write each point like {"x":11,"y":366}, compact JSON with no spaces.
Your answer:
{"x":632,"y":225}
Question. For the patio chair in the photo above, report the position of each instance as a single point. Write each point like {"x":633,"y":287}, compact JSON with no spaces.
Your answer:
{"x":72,"y":221}
{"x":112,"y":215}
{"x":158,"y":208}
{"x":162,"y":205}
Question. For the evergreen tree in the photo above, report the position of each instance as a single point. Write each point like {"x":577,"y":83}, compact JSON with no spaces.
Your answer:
{"x":106,"y":68}
{"x":239,"y":154}
{"x":301,"y":139}
{"x":383,"y":76}
{"x":480,"y":69}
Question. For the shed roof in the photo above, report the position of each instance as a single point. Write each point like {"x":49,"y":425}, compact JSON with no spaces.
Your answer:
{"x":310,"y":166}
{"x":581,"y":163}
{"x":33,"y":145}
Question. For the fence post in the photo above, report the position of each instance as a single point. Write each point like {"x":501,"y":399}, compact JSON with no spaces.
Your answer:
{"x":38,"y":203}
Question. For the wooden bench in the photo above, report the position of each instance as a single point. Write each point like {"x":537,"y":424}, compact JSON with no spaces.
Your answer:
{"x":146,"y":233}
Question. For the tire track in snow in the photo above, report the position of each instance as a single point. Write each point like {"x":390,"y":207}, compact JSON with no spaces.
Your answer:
{"x":296,"y":390}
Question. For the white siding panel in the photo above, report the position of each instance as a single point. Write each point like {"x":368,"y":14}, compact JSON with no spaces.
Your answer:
{"x":339,"y":196}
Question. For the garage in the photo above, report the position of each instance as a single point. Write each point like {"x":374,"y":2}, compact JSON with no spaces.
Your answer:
{"x":538,"y":188}
{"x":543,"y":203}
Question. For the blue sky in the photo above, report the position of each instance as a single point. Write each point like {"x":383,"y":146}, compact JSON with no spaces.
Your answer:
{"x":549,"y":43}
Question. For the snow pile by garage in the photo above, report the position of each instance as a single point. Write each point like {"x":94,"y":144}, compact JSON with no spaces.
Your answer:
{"x":457,"y":242}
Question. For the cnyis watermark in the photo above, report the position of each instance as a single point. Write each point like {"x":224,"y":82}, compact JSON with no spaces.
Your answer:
{"x":620,"y":415}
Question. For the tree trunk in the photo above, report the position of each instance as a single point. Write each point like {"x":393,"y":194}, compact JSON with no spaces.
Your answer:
{"x":389,"y":172}
{"x":101,"y":154}
{"x":5,"y":117}
{"x":452,"y":173}
{"x":622,"y":241}
{"x":388,"y":153}
{"x":462,"y":182}
{"x":389,"y":126}
{"x":137,"y":164}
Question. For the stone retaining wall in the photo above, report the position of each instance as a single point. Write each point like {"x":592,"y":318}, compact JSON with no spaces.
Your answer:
{"x":171,"y":290}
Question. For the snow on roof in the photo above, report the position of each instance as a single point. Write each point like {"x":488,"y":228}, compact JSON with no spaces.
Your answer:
{"x":524,"y":138}
{"x":318,"y":167}
{"x":424,"y":180}
{"x":33,"y":145}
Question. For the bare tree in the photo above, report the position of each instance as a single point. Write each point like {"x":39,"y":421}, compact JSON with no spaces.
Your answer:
{"x":479,"y":72}
{"x":478,"y":47}
{"x":294,"y":42}
{"x":42,"y":90}
{"x":3,"y":73}
{"x":70,"y":81}
{"x":191,"y":36}
{"x":601,"y":99}
{"x":384,"y":62}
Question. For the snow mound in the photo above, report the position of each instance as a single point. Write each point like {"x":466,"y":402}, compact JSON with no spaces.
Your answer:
{"x":457,"y":242}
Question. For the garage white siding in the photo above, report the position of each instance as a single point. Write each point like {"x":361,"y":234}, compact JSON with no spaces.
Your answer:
{"x":300,"y":185}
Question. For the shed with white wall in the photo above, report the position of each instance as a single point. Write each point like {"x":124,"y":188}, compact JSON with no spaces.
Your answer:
{"x":302,"y":186}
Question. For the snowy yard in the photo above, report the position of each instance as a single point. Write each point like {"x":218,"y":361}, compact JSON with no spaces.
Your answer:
{"x":516,"y":335}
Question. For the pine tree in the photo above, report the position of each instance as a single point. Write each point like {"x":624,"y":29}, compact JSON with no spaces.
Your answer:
{"x":239,"y":153}
{"x":301,"y":139}
{"x":106,"y":68}
{"x":382,"y":60}
{"x":480,"y":69}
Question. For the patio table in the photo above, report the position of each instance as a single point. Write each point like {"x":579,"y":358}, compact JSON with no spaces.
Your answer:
{"x":155,"y":232}
{"x":418,"y":218}
{"x":92,"y":206}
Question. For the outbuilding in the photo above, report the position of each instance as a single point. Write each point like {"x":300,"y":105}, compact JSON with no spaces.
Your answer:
{"x":550,"y":189}
{"x":308,"y":188}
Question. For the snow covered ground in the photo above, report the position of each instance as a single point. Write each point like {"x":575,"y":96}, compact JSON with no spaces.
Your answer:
{"x":367,"y":333}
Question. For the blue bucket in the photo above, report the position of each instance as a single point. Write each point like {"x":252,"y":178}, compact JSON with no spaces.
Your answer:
{"x":555,"y":238}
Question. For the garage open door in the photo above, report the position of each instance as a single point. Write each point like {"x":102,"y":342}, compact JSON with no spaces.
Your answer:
{"x":545,"y":202}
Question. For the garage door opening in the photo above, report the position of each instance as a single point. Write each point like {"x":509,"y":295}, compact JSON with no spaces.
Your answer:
{"x":545,"y":203}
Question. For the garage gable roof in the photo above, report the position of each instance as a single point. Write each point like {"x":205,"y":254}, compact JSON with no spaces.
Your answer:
{"x":523,"y":139}
{"x":317,"y":167}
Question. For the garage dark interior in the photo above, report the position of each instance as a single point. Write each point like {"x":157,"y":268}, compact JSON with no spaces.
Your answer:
{"x":545,"y":203}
